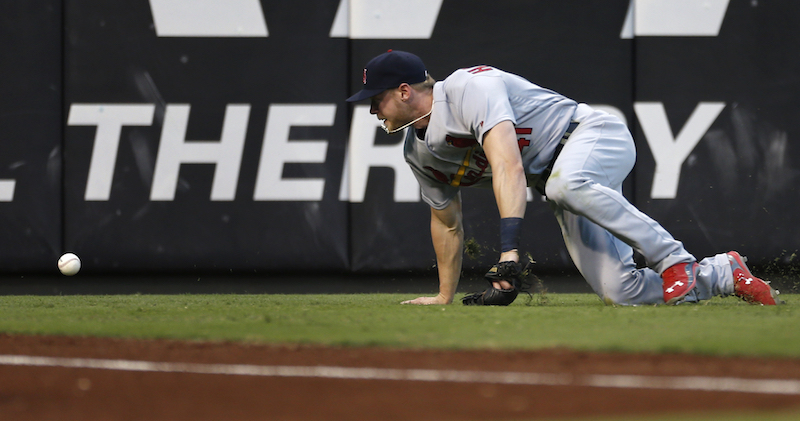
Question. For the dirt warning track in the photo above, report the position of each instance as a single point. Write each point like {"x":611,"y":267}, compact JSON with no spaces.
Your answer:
{"x":116,"y":379}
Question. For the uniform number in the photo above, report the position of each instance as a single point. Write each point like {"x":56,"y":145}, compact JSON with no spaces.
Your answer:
{"x":522,"y":141}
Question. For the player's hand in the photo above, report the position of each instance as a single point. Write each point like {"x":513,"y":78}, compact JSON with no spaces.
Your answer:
{"x":502,"y":285}
{"x":512,"y":255}
{"x":426,"y":301}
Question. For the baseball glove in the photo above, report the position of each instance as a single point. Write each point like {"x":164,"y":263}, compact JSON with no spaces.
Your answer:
{"x":511,"y":272}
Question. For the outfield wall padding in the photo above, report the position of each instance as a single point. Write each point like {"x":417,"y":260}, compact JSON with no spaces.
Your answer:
{"x":154,"y":137}
{"x":31,"y":135}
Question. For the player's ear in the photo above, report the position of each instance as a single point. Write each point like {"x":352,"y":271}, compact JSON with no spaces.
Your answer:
{"x":405,"y":91}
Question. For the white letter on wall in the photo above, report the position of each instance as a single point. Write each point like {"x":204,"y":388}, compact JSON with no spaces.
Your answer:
{"x":363,"y":154}
{"x":174,"y":150}
{"x":109,"y":119}
{"x":278,"y":150}
{"x":668,"y":152}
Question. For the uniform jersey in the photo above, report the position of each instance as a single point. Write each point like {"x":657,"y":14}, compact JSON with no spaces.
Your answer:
{"x":449,"y":154}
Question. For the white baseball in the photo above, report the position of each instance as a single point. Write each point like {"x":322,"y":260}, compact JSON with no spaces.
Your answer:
{"x":69,"y":264}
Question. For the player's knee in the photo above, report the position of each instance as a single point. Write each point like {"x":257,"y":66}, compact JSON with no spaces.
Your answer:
{"x":624,"y":288}
{"x":565,"y":190}
{"x":614,"y":293}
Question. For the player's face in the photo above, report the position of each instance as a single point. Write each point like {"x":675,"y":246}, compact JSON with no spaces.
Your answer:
{"x":377,"y":101}
{"x":388,"y":106}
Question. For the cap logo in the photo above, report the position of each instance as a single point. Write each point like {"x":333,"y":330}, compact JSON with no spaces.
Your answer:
{"x":364,"y":79}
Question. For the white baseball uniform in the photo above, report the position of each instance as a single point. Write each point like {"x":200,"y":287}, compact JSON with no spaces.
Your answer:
{"x":600,"y":227}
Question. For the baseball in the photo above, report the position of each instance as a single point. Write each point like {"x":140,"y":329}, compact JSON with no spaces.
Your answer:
{"x":69,"y":264}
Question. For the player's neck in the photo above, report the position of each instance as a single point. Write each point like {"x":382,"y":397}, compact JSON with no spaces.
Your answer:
{"x":426,"y":107}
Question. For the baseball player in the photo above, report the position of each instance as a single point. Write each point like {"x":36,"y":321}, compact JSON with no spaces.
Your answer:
{"x":485,"y":127}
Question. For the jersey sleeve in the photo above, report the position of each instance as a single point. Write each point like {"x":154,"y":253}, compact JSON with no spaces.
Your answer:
{"x":485,"y":104}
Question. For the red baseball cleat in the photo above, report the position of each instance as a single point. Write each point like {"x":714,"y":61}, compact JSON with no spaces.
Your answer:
{"x":748,"y":287}
{"x":679,"y":281}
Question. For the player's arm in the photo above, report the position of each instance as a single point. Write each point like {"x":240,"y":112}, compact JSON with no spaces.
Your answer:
{"x":447,"y":233}
{"x":508,"y":175}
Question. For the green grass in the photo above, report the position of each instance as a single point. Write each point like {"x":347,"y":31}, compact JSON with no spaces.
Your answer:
{"x":579,"y":321}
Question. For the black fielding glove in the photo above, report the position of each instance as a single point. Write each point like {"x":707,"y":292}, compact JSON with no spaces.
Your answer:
{"x":510,"y":272}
